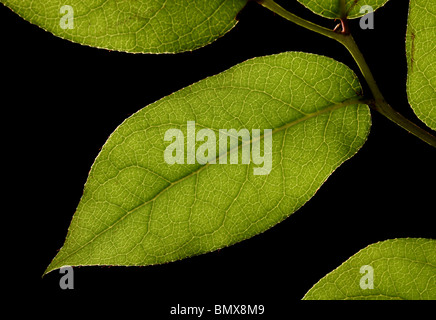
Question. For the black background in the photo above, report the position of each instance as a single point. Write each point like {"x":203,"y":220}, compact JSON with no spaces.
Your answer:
{"x":62,"y":100}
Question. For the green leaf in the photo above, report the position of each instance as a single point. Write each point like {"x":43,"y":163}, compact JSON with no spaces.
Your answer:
{"x":148,"y":26}
{"x":139,"y":210}
{"x":331,"y":8}
{"x":421,"y":60}
{"x":397,"y":269}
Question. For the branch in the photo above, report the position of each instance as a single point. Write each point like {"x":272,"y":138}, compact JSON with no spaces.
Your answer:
{"x":274,"y":7}
{"x":379,"y":103}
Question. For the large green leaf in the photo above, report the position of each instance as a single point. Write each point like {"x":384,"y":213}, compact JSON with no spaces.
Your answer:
{"x":139,"y":210}
{"x":421,"y":59}
{"x":151,"y":26}
{"x":389,"y":270}
{"x":331,"y":8}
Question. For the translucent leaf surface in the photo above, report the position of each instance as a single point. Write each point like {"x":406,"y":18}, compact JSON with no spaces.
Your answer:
{"x":138,"y":209}
{"x":331,"y":8}
{"x":421,"y":59}
{"x":149,"y":26}
{"x":390,"y":270}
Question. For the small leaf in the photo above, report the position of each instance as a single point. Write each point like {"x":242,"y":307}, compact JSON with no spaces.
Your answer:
{"x":331,"y":8}
{"x":421,"y":60}
{"x":390,"y":270}
{"x":147,"y":26}
{"x":138,"y":209}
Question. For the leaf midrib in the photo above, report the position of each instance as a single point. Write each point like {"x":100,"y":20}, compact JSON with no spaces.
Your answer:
{"x":331,"y":108}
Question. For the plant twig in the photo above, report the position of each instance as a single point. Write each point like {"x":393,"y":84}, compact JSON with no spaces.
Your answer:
{"x":274,"y":7}
{"x":380,"y":103}
{"x":345,"y":38}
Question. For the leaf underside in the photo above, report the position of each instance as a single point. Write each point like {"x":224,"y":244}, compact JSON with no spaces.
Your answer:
{"x":331,"y":8}
{"x":138,"y":210}
{"x":421,"y":60}
{"x":143,"y":26}
{"x":403,"y":269}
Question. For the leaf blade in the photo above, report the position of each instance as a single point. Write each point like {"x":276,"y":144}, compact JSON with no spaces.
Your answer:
{"x":421,"y":60}
{"x":144,"y":211}
{"x":331,"y":8}
{"x":403,"y":268}
{"x":158,"y":26}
